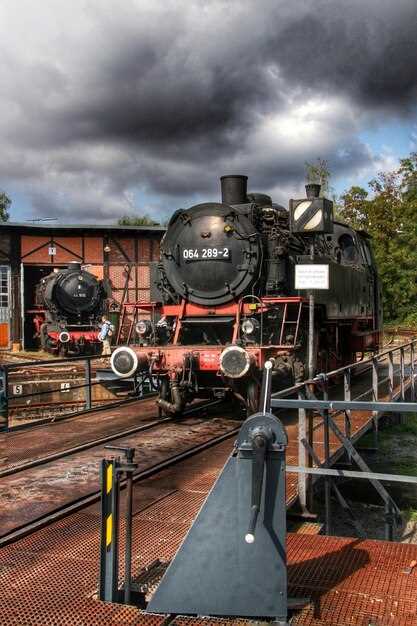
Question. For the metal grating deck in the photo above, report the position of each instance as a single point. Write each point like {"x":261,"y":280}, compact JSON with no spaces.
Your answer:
{"x":50,"y":578}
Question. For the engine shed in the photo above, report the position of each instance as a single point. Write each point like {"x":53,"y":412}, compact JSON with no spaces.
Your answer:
{"x":28,"y":252}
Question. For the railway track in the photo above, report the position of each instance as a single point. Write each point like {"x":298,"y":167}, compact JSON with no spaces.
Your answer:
{"x":102,"y":440}
{"x":43,"y":490}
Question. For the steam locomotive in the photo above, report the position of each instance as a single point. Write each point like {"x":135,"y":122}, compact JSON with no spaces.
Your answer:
{"x":224,"y":299}
{"x":71,"y":302}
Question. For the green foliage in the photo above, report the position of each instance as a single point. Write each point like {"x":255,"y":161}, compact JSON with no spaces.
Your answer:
{"x":389,"y":216}
{"x":5,"y":203}
{"x":319,"y":172}
{"x":410,"y":515}
{"x":143,"y":220}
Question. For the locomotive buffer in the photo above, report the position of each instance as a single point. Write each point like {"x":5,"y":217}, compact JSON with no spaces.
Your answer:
{"x":233,"y":560}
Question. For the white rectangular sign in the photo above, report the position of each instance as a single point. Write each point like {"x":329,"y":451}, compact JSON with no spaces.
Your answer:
{"x":311,"y":276}
{"x":52,"y":250}
{"x":65,"y":387}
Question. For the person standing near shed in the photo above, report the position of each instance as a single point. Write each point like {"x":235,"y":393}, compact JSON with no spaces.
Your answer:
{"x":106,"y":331}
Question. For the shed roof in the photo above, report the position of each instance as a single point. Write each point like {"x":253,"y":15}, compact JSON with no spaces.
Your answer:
{"x":47,"y":228}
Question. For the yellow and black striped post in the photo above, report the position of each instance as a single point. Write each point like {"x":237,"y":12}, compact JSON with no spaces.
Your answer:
{"x":109,"y":545}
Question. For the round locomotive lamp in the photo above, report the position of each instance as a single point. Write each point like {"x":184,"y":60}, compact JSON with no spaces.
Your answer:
{"x":64,"y":336}
{"x":143,"y":328}
{"x":124,"y":362}
{"x":234,"y":362}
{"x":249,"y":326}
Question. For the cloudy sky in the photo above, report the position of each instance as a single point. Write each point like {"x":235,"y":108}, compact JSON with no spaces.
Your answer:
{"x":110,"y":108}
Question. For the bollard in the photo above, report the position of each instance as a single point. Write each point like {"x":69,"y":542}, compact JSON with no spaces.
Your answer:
{"x":111,"y":473}
{"x":109,"y":539}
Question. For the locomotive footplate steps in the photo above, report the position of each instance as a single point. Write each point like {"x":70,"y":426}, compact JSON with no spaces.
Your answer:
{"x":233,"y":560}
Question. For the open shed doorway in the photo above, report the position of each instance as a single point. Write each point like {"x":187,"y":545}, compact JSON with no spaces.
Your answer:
{"x":31,"y":277}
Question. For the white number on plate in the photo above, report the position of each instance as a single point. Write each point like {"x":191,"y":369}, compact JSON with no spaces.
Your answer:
{"x":206,"y":253}
{"x":190,"y":254}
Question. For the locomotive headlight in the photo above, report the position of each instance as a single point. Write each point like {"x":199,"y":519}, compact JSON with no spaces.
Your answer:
{"x":143,"y":328}
{"x":249,"y":326}
{"x":64,"y":336}
{"x":234,"y":362}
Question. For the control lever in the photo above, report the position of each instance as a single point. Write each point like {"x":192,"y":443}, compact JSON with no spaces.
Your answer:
{"x":260,"y":438}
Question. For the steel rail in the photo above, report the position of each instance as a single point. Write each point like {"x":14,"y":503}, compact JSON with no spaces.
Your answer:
{"x":96,"y":442}
{"x":65,"y":416}
{"x":85,"y":501}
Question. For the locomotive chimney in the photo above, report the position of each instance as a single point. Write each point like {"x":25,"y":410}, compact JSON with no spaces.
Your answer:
{"x":234,"y":189}
{"x":313,"y":190}
{"x":74,"y":266}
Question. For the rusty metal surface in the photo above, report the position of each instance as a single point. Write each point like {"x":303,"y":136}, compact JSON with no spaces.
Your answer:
{"x":25,"y":445}
{"x":50,"y":577}
{"x":32,"y":494}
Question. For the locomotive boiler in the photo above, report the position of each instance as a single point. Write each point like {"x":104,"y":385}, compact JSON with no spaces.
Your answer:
{"x":223,"y":298}
{"x":71,"y":302}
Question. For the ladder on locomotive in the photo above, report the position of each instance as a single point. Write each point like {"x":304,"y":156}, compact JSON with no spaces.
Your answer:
{"x":293,"y":324}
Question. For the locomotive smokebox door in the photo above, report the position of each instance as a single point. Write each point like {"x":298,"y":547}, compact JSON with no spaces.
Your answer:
{"x":313,"y":214}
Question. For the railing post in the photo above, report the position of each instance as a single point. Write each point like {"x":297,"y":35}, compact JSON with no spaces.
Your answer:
{"x":402,"y":373}
{"x":347,"y":398}
{"x":88,"y":384}
{"x":303,"y":479}
{"x":412,"y":373}
{"x":327,"y":480}
{"x":389,"y":522}
{"x":4,"y":401}
{"x":375,"y":393}
{"x":391,"y":375}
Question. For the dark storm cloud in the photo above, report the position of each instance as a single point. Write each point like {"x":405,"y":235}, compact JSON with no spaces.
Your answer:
{"x":367,"y":50}
{"x":107,"y":103}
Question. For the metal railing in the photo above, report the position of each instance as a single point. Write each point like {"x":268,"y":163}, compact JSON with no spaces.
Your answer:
{"x":330,"y":402}
{"x":34,"y":392}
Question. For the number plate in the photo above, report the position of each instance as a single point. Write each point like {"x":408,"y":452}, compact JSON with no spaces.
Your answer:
{"x":206,"y":254}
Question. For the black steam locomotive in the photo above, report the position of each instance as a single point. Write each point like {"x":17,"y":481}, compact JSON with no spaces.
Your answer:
{"x":224,"y":297}
{"x":71,"y":302}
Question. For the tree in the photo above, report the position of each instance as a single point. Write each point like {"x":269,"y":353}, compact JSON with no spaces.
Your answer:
{"x":319,"y":172}
{"x":389,"y":216}
{"x":5,"y":203}
{"x":143,"y":220}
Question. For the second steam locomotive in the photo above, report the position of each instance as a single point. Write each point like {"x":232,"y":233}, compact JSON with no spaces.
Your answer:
{"x":224,"y":298}
{"x":71,"y":302}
